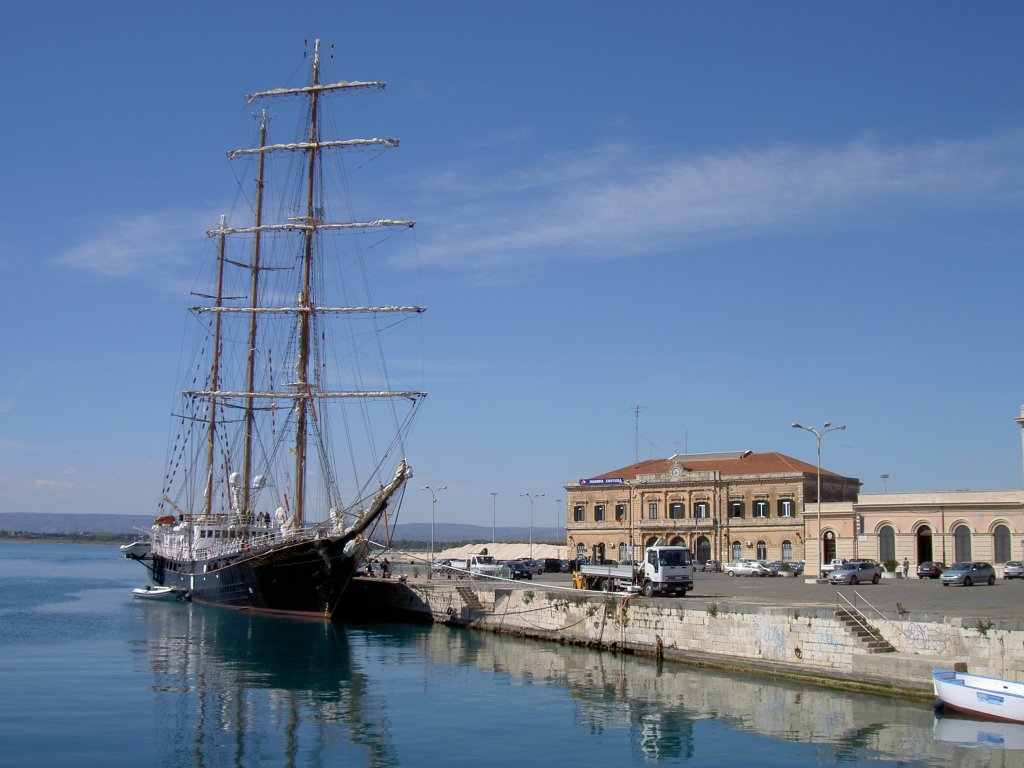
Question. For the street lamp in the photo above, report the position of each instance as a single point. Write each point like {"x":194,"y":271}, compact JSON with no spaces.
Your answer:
{"x":885,"y":483}
{"x":494,"y":517}
{"x":531,"y":497}
{"x":433,"y":506}
{"x":818,"y":434}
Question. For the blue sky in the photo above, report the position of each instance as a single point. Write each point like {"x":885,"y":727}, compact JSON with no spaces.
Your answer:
{"x":736,"y":215}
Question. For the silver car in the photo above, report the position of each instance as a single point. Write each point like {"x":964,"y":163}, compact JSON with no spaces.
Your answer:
{"x":968,"y":573}
{"x":1013,"y":569}
{"x":857,"y":572}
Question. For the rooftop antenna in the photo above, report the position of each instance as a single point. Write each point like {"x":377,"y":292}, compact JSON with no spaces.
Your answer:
{"x":636,"y":432}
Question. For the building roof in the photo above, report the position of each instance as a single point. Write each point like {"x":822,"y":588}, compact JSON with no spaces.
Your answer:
{"x":728,"y":464}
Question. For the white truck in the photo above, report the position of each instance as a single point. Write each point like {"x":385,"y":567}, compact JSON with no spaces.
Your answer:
{"x":665,"y":570}
{"x":831,"y":566}
{"x":476,"y":565}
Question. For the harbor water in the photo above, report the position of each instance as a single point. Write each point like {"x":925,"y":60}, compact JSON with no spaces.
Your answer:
{"x":89,"y":676}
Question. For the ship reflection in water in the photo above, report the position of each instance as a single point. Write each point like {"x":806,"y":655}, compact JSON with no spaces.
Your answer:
{"x":246,"y":689}
{"x":242,"y":689}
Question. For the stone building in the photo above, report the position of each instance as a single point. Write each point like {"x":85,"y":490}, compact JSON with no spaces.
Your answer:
{"x":942,"y":526}
{"x":723,"y":506}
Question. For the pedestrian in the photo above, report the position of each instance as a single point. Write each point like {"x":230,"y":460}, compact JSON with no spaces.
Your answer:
{"x":906,"y":567}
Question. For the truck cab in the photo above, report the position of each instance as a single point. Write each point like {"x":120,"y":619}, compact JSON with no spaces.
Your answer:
{"x":667,"y":570}
{"x":664,"y":570}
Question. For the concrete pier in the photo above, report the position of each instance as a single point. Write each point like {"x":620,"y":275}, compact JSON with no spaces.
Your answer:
{"x":887,"y":652}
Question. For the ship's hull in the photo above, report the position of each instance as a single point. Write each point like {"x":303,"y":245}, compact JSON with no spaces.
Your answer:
{"x":305,"y":577}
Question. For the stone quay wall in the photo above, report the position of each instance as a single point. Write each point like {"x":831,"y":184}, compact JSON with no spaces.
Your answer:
{"x":810,"y":643}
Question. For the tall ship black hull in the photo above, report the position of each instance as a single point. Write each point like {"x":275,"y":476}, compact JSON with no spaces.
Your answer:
{"x":306,"y":578}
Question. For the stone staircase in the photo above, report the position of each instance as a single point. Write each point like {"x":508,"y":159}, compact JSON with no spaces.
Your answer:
{"x":868,"y":636}
{"x":470,"y":600}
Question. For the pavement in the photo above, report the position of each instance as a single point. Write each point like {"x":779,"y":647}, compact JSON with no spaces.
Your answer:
{"x":1002,"y":601}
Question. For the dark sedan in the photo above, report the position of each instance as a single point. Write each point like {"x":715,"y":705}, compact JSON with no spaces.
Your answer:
{"x":516,"y":570}
{"x":930,"y":570}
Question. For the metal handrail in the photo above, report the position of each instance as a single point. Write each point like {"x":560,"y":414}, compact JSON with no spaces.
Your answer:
{"x":862,"y":620}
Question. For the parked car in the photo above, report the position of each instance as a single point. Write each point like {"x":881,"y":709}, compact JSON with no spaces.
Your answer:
{"x":712,"y":566}
{"x":746,"y":568}
{"x":857,"y":572}
{"x":730,"y":568}
{"x":968,"y":573}
{"x":550,"y":564}
{"x":515,"y":570}
{"x":774,"y":567}
{"x":796,"y":567}
{"x":1013,"y":569}
{"x":930,"y":570}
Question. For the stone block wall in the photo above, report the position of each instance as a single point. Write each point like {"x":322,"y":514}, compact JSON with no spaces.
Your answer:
{"x":793,"y":640}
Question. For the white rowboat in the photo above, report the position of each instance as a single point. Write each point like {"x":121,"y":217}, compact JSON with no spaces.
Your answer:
{"x":988,"y":697}
{"x":156,"y":593}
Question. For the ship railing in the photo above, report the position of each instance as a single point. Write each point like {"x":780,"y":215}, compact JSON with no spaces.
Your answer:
{"x":174,"y":545}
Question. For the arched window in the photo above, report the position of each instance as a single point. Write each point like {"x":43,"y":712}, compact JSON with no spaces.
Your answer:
{"x":1001,"y":543}
{"x":762,"y":550}
{"x":703,"y":549}
{"x":737,"y":550}
{"x":581,"y":551}
{"x":623,"y":552}
{"x":961,"y":543}
{"x":599,"y":553}
{"x":787,"y":550}
{"x":886,"y":543}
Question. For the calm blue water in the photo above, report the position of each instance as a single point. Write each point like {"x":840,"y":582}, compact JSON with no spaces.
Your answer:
{"x":90,"y":677}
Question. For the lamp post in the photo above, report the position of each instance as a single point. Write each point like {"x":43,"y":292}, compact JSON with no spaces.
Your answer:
{"x":531,"y":497}
{"x":494,"y":517}
{"x":818,"y":434}
{"x":885,"y":483}
{"x":433,"y":506}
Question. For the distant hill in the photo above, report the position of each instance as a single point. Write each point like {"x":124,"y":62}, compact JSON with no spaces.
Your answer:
{"x":30,"y":522}
{"x":87,"y":523}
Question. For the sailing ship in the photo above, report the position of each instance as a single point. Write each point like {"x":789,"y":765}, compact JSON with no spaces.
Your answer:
{"x":278,"y":476}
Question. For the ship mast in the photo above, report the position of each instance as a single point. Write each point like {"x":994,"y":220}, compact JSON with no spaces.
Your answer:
{"x":304,"y":303}
{"x":250,"y":411}
{"x":214,"y":377}
{"x":303,"y":387}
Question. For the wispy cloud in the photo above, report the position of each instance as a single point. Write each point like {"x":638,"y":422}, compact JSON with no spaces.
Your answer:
{"x":622,"y":200}
{"x":150,"y":246}
{"x":10,"y":393}
{"x":49,"y":485}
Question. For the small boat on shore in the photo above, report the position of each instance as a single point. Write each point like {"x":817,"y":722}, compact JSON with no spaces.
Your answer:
{"x":988,"y":697}
{"x":150,"y":592}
